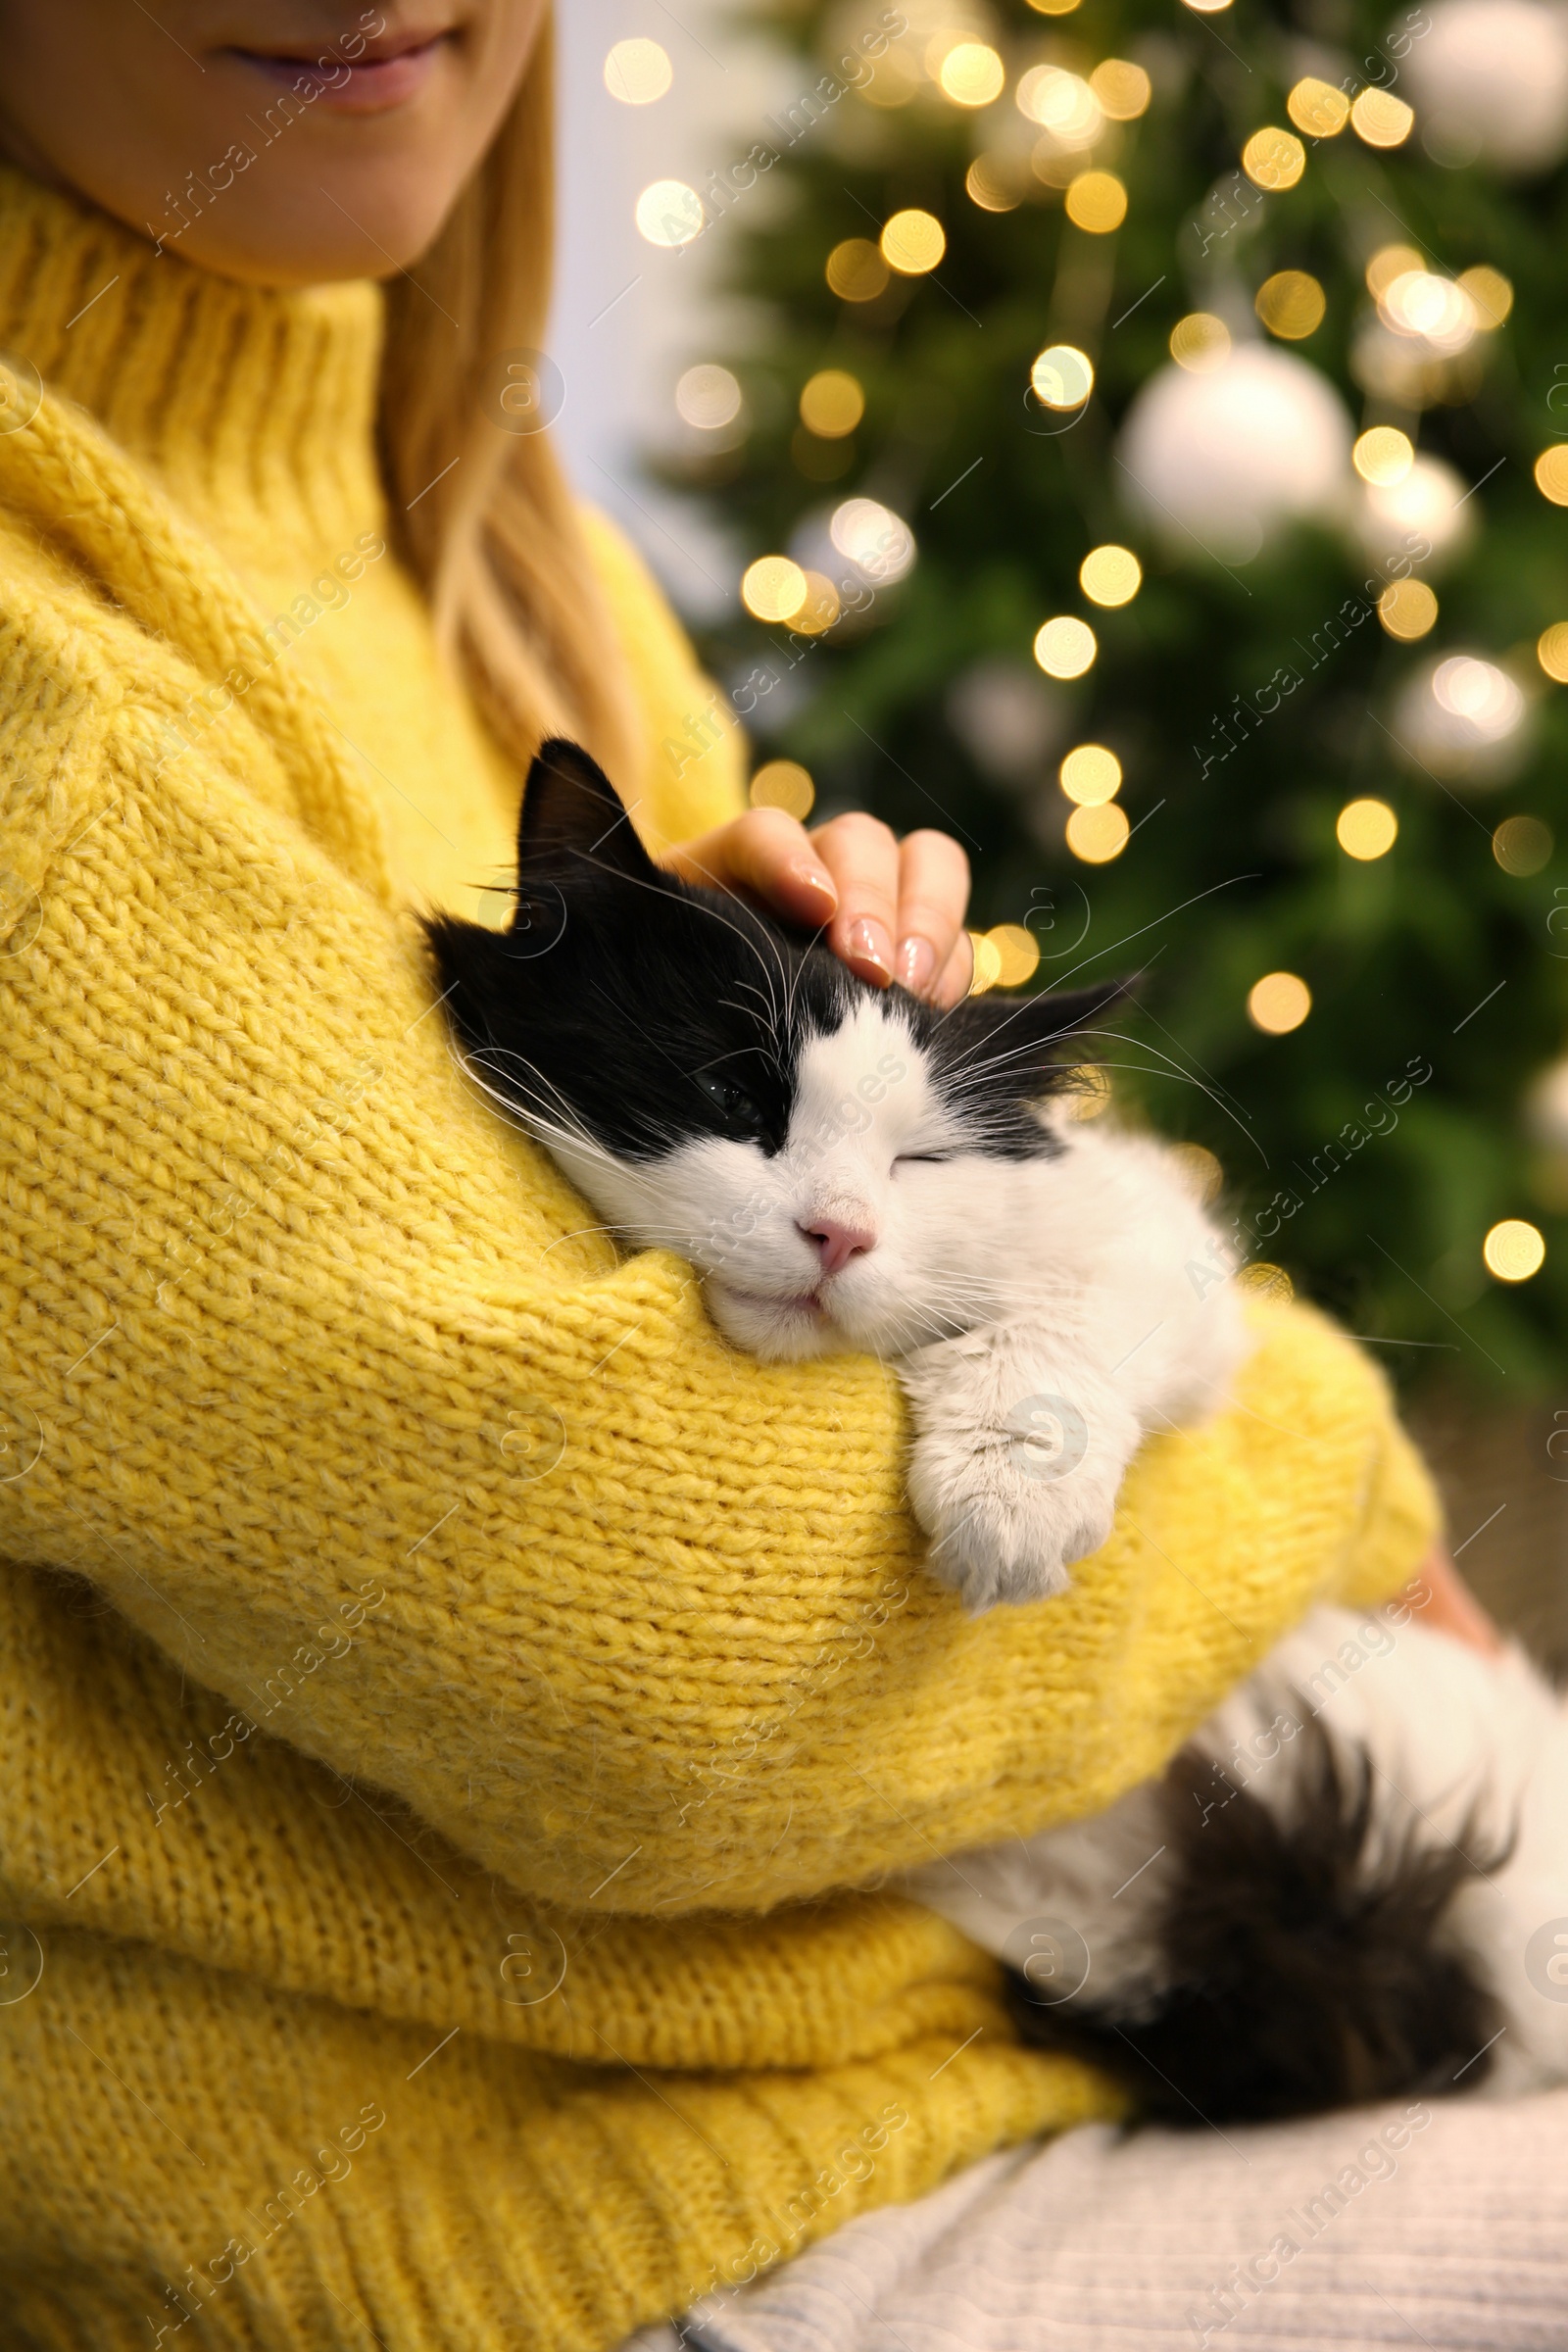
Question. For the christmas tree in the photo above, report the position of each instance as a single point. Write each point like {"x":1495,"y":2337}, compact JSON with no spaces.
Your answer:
{"x":1150,"y":452}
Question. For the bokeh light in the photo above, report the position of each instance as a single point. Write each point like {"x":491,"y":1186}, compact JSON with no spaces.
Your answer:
{"x":832,"y":403}
{"x":1384,"y":456}
{"x":637,"y":73}
{"x":1278,"y":1003}
{"x":1122,"y":90}
{"x":1091,"y":775}
{"x":856,"y":271}
{"x":669,"y":213}
{"x":1200,"y":1170}
{"x":1522,"y":845}
{"x":783,"y":784}
{"x":1366,"y":830}
{"x":1096,"y":201}
{"x":1407,"y":610}
{"x":1514,"y":1250}
{"x":1110,"y":574}
{"x":1065,"y":647}
{"x":877,"y":542}
{"x":987,"y":963}
{"x":1552,"y":652}
{"x":1061,"y":103}
{"x":1099,"y":834}
{"x":1389,"y":262}
{"x":971,"y":73}
{"x":774,"y":588}
{"x":1291,"y":305}
{"x":1062,"y":377}
{"x":1552,"y":474}
{"x":1318,"y":108}
{"x":1200,"y":342}
{"x":1381,"y":119}
{"x":913,"y":242}
{"x":1018,"y":950}
{"x":1273,"y":158}
{"x":1489,"y":293}
{"x":709,"y":398}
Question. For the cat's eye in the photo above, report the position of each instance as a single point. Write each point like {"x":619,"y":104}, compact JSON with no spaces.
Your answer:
{"x":922,"y":1159}
{"x":741,"y":1117}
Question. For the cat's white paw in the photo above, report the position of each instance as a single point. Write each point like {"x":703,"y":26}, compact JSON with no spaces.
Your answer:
{"x":1005,"y":1524}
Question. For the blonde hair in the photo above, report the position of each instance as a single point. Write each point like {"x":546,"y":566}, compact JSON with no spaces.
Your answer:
{"x":487,"y":524}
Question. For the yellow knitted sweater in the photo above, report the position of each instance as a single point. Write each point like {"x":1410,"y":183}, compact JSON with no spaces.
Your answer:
{"x":447,"y":1697}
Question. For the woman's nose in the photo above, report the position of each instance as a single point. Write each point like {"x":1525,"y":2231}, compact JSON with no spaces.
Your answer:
{"x":837,"y":1243}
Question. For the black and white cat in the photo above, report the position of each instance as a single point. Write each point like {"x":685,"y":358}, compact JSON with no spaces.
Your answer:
{"x":850,"y":1169}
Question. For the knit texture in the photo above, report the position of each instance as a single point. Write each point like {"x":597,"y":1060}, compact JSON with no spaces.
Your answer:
{"x":447,"y":1696}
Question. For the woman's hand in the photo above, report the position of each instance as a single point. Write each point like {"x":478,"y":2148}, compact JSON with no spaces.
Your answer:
{"x":893,"y":909}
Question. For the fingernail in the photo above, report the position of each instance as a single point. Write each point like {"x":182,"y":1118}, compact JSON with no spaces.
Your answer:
{"x":917,"y":964}
{"x":815,"y":878}
{"x":870,"y":942}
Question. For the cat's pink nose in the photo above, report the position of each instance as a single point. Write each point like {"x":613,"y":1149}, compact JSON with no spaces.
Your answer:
{"x":837,"y":1243}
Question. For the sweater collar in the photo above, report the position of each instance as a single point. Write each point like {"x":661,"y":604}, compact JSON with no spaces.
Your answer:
{"x":254,"y":408}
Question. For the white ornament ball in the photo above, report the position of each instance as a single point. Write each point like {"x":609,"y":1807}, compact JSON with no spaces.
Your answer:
{"x":1431,"y":509}
{"x":1223,"y":457}
{"x":1490,"y":82}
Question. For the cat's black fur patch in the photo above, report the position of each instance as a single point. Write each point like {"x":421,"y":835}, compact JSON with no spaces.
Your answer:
{"x":651,"y":1011}
{"x":1307,"y":1967}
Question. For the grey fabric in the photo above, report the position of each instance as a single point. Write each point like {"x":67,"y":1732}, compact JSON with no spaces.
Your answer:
{"x":1456,"y":2240}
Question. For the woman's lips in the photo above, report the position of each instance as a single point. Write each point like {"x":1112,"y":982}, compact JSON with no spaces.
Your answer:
{"x":365,"y":85}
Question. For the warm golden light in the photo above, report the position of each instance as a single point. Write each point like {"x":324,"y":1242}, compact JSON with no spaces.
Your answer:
{"x":1318,"y":108}
{"x":987,"y":963}
{"x":1552,"y":652}
{"x":1381,"y":119}
{"x":1018,"y":950}
{"x":857,"y":271}
{"x":1552,"y":474}
{"x":783,"y":784}
{"x":1061,"y":103}
{"x":1062,"y":377}
{"x":971,"y":75}
{"x":1491,"y":294}
{"x":1291,"y":305}
{"x":1389,"y":262}
{"x":1407,"y":610}
{"x":1199,"y":1171}
{"x":1278,"y":1003}
{"x":1065,"y":647}
{"x":637,"y":73}
{"x":990,"y":184}
{"x":1266,"y":1281}
{"x":1514,"y":1250}
{"x":1122,"y":90}
{"x":1096,"y":835}
{"x":774,"y":588}
{"x":1522,"y":845}
{"x":1200,"y":342}
{"x":1096,"y":201}
{"x":913,"y":242}
{"x":1273,"y":158}
{"x":1366,"y":830}
{"x":1111,"y":575}
{"x":820,"y":610}
{"x":1384,"y":456}
{"x":1091,"y":775}
{"x":669,"y":213}
{"x":832,"y":403}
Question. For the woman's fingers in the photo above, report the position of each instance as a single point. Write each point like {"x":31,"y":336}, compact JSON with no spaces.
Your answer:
{"x":891,"y":909}
{"x":861,"y":854}
{"x":933,"y":892}
{"x":768,"y":854}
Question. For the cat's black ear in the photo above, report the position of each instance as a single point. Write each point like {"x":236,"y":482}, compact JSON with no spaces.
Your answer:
{"x":994,"y":1056}
{"x":572,"y":810}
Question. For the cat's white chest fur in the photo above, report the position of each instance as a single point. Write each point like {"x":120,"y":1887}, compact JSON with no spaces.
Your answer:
{"x":1044,"y":1314}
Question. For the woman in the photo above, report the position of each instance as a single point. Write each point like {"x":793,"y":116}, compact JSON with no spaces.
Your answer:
{"x":428,"y":1651}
